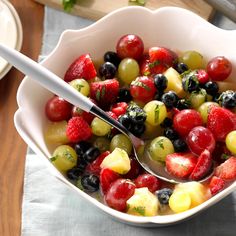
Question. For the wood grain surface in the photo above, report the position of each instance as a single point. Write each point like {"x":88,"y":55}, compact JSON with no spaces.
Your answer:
{"x":95,"y":9}
{"x":13,"y":148}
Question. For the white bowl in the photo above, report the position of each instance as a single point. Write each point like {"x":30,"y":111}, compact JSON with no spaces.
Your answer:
{"x":171,"y":27}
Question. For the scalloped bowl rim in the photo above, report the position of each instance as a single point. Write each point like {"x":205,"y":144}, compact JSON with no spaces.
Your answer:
{"x":21,"y":126}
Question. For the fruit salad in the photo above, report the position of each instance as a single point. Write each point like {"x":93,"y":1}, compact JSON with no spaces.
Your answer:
{"x":178,"y":103}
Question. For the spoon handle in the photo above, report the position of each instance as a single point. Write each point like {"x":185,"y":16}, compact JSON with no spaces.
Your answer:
{"x":45,"y":77}
{"x":55,"y":84}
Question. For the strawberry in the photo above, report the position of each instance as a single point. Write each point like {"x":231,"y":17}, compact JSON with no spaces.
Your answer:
{"x":216,"y":185}
{"x":82,"y":67}
{"x":107,"y":177}
{"x":134,"y":170}
{"x":78,"y":130}
{"x":180,"y":165}
{"x":104,"y":92}
{"x":119,"y":108}
{"x":203,"y":166}
{"x":144,"y":65}
{"x":94,"y":167}
{"x":221,"y":121}
{"x":161,"y":59}
{"x":227,"y":170}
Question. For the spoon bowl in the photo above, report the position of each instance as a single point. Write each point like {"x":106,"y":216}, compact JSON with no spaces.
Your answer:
{"x":58,"y":86}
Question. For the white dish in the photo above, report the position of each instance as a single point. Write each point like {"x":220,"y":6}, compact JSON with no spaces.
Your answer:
{"x":11,"y":32}
{"x":171,"y":27}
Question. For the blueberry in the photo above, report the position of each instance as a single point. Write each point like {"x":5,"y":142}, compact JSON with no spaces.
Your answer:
{"x":171,"y":133}
{"x":167,"y":122}
{"x":163,"y":195}
{"x":211,"y":88}
{"x":190,"y":83}
{"x":138,"y":129}
{"x":91,"y":154}
{"x":182,"y":104}
{"x":90,"y":182}
{"x":170,"y":99}
{"x":124,"y":95}
{"x":74,"y":173}
{"x":107,"y":70}
{"x":81,"y":148}
{"x":228,"y":99}
{"x":126,"y":121}
{"x":160,"y":82}
{"x":181,"y":67}
{"x":158,"y":95}
{"x":179,"y":145}
{"x":112,"y":57}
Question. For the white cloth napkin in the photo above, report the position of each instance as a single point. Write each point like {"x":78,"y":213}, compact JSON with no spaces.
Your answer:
{"x":51,"y":208}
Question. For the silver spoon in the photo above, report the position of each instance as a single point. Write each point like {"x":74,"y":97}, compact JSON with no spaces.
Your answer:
{"x":56,"y":85}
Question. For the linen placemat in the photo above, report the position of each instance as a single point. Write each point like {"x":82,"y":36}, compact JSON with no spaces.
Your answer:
{"x":50,"y":208}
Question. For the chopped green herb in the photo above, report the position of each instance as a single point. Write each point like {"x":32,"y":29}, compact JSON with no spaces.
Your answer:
{"x":138,"y":2}
{"x":153,"y":64}
{"x":79,"y":87}
{"x":141,"y":84}
{"x":53,"y":158}
{"x":68,"y":4}
{"x":224,"y":156}
{"x":160,"y":143}
{"x":103,"y":91}
{"x":69,"y":157}
{"x":157,"y":112}
{"x":98,"y":94}
{"x":140,"y":210}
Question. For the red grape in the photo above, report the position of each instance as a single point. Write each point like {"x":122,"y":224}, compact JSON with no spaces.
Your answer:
{"x":58,"y":109}
{"x":219,"y":68}
{"x":199,"y":139}
{"x":130,"y":46}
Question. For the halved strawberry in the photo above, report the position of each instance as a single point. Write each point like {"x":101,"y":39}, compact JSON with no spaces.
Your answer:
{"x":227,"y":170}
{"x":180,"y":165}
{"x":107,"y":177}
{"x":94,"y":167}
{"x":119,"y":108}
{"x":104,"y":92}
{"x":203,"y":166}
{"x":221,"y":121}
{"x":144,"y":66}
{"x":82,"y":67}
{"x":216,"y":185}
{"x":161,"y":59}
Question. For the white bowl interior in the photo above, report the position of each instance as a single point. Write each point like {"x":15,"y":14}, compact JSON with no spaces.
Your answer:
{"x":171,"y":27}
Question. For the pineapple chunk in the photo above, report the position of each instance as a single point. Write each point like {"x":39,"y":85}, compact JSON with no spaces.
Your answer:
{"x":142,"y":203}
{"x":174,"y":82}
{"x":179,"y":201}
{"x":118,"y":161}
{"x":197,"y":191}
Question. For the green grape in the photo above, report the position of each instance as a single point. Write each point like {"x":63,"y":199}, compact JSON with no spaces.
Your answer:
{"x":197,"y":98}
{"x":81,"y":86}
{"x":156,"y":112}
{"x":122,"y":142}
{"x":160,"y":147}
{"x":193,"y":59}
{"x":56,"y":133}
{"x":128,"y":70}
{"x":100,"y":127}
{"x":230,"y":141}
{"x":64,"y":158}
{"x":204,"y":110}
{"x":102,"y":143}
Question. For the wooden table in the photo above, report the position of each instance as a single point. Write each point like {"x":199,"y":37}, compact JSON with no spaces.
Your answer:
{"x":12,"y":147}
